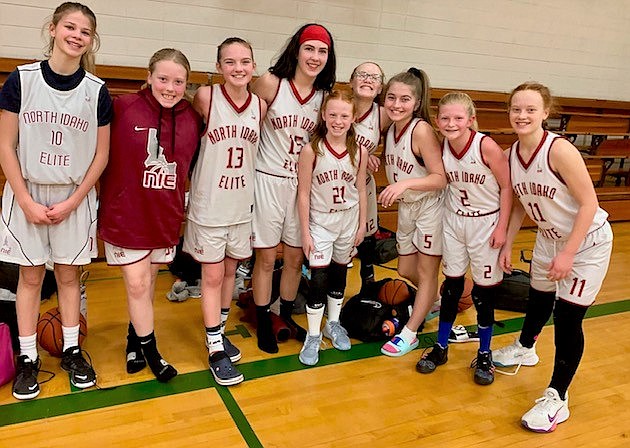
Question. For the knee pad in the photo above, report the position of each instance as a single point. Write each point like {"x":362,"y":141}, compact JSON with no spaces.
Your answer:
{"x":318,"y":288}
{"x":452,"y":292}
{"x":367,"y":249}
{"x":544,"y":299}
{"x":337,"y":274}
{"x":482,"y":298}
{"x":569,"y":316}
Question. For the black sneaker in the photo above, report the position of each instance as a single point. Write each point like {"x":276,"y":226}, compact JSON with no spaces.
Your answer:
{"x":25,"y":385}
{"x":225,"y":374}
{"x":484,"y":368}
{"x":436,"y":357}
{"x":81,"y":373}
{"x":231,"y":350}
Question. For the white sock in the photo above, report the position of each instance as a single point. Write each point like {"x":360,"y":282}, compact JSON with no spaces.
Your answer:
{"x":334,"y":308}
{"x":28,"y":346}
{"x":70,"y":337}
{"x":225,"y":312}
{"x":214,"y":340}
{"x":407,"y":334}
{"x":314,"y":318}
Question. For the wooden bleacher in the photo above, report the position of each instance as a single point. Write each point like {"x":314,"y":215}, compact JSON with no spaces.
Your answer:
{"x":600,"y":122}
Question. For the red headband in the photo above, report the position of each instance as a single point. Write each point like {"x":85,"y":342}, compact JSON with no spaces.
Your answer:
{"x":315,"y":32}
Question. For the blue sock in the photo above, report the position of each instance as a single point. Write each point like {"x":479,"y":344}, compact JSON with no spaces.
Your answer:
{"x":444,"y":330}
{"x":485,"y":336}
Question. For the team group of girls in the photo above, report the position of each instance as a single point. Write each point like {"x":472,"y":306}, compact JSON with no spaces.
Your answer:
{"x":290,"y":162}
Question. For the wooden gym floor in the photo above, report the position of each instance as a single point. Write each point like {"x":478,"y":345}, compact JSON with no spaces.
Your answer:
{"x":351,"y":399}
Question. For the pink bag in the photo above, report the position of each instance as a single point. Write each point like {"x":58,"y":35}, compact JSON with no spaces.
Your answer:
{"x":7,"y":366}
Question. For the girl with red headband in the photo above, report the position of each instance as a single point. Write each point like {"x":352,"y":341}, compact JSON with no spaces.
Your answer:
{"x":294,"y":90}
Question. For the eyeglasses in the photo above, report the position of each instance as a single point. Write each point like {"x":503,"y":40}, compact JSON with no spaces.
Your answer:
{"x":363,"y":76}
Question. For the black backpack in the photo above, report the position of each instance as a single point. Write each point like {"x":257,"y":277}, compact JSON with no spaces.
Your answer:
{"x":184,"y":266}
{"x":513,"y":293}
{"x":363,"y":315}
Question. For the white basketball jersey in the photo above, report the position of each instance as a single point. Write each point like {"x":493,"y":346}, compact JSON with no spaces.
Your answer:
{"x":286,"y":128}
{"x":400,"y":161}
{"x":545,"y":197}
{"x":222,"y":183}
{"x":368,"y":129}
{"x":472,"y":188}
{"x":58,"y":129}
{"x":333,"y":184}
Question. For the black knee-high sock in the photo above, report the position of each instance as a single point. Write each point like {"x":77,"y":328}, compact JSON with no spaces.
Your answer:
{"x":162,"y":370}
{"x":264,"y":332}
{"x":367,"y":251}
{"x":286,"y":313}
{"x":539,"y":309}
{"x":569,"y":338}
{"x":135,"y":358}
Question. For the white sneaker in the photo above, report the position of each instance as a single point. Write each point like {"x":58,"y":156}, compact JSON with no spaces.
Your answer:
{"x":309,"y":355}
{"x":338,"y":335}
{"x":548,"y":411}
{"x":515,"y":355}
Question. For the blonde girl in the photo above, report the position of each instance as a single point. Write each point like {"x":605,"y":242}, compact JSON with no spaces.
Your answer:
{"x":60,"y":113}
{"x":478,"y":202}
{"x":571,"y":253}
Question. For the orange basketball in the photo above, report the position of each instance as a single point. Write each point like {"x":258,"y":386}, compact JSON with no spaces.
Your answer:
{"x":50,"y":335}
{"x":393,"y":292}
{"x":466,"y":300}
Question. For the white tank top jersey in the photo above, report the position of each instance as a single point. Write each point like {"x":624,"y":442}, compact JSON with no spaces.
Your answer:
{"x":544,"y":195}
{"x":58,"y":129}
{"x":400,"y":161}
{"x":333,"y":186}
{"x":472,"y":188}
{"x":286,"y":129}
{"x":222,"y":183}
{"x":368,"y":129}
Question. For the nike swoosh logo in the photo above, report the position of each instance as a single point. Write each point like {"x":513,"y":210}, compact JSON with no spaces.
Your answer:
{"x":552,"y":418}
{"x":81,"y":377}
{"x":138,"y":128}
{"x":33,"y":387}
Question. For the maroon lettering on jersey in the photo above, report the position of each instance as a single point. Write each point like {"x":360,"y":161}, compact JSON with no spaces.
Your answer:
{"x":52,"y":159}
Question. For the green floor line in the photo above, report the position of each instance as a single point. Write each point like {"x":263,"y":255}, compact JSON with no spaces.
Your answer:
{"x":239,"y":418}
{"x":25,"y":411}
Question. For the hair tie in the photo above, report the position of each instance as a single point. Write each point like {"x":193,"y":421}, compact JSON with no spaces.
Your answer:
{"x":415,"y":72}
{"x":315,"y":32}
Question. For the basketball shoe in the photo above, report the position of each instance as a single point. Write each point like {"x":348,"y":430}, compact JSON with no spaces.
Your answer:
{"x":515,"y":355}
{"x":338,"y":335}
{"x":548,"y":411}
{"x":309,"y":355}
{"x":81,"y":373}
{"x":25,"y":385}
{"x":429,"y":361}
{"x":484,"y":368}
